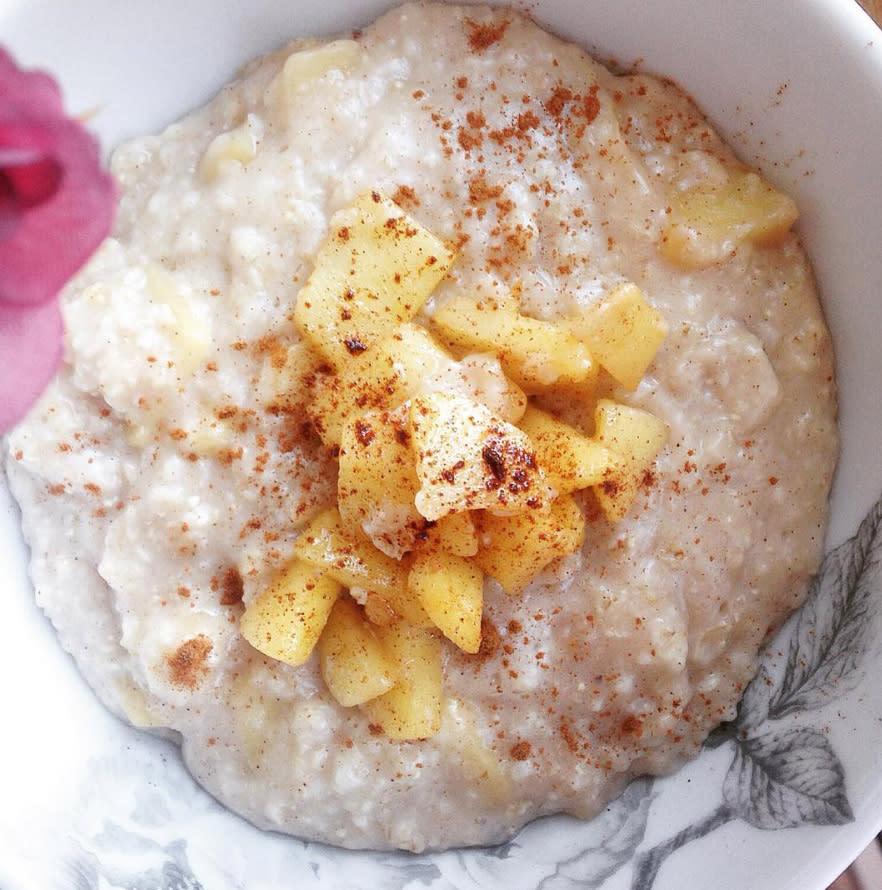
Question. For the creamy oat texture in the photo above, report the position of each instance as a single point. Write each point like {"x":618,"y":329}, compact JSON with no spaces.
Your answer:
{"x":162,"y":480}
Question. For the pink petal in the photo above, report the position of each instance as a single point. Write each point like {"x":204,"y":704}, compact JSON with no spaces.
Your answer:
{"x":45,"y":243}
{"x":33,"y":91}
{"x":31,"y":339}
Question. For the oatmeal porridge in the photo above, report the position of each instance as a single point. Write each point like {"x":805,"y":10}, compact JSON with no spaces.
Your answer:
{"x":214,"y":428}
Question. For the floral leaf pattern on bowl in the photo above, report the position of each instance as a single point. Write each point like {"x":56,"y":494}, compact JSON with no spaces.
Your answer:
{"x":788,"y":776}
{"x":834,"y":629}
{"x":785,"y":779}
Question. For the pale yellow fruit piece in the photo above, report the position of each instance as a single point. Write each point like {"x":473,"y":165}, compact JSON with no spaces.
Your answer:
{"x":234,"y":148}
{"x":469,"y":459}
{"x":411,"y":709}
{"x":353,"y":662}
{"x":381,"y":380}
{"x":535,"y":354}
{"x":637,"y":437}
{"x":571,"y":460}
{"x":377,"y":482}
{"x":623,"y":333}
{"x":348,"y":556}
{"x":706,"y":224}
{"x":454,"y":533}
{"x":373,"y":272}
{"x":286,"y":619}
{"x":285,"y":375}
{"x":351,"y":559}
{"x":451,"y":590}
{"x":303,"y":67}
{"x":515,"y":549}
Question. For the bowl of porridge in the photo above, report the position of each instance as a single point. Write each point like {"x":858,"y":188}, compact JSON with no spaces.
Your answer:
{"x":461,"y":470}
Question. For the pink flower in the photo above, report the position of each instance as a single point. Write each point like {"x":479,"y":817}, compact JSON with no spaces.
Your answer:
{"x":56,"y":206}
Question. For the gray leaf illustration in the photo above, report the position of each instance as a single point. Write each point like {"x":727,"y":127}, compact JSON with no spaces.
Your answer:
{"x":835,"y":627}
{"x":789,"y":778}
{"x":754,"y":707}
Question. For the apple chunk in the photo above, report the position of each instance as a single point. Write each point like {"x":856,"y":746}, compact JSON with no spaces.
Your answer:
{"x":636,"y":437}
{"x":469,"y":459}
{"x":535,"y":354}
{"x":516,"y":548}
{"x":287,"y":618}
{"x":374,"y":271}
{"x":623,"y":333}
{"x":411,"y":709}
{"x":451,"y":590}
{"x":354,"y":664}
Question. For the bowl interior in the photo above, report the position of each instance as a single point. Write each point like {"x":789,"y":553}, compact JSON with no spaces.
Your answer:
{"x":796,"y":94}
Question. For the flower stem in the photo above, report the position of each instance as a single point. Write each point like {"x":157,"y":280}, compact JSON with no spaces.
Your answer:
{"x":647,"y":865}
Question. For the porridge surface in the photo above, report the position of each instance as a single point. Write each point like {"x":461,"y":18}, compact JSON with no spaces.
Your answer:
{"x":161,"y":487}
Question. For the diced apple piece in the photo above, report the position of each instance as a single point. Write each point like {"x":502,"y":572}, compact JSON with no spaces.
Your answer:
{"x":454,"y":533}
{"x":353,"y":662}
{"x":468,"y":459}
{"x":232,"y":149}
{"x":535,"y":354}
{"x":385,"y":377}
{"x":451,"y":590}
{"x":706,"y":225}
{"x":377,"y":482}
{"x":412,"y":708}
{"x":284,"y":377}
{"x":623,"y":333}
{"x":348,"y":556}
{"x":571,"y":460}
{"x":287,"y":618}
{"x":637,"y":437}
{"x":374,"y":271}
{"x":514,"y":549}
{"x":303,"y":67}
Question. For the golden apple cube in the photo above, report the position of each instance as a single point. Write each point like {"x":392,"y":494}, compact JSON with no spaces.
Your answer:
{"x":637,"y":437}
{"x":451,"y":590}
{"x":411,"y":709}
{"x":706,"y":225}
{"x":381,"y":380}
{"x":454,"y":533}
{"x":515,"y":549}
{"x":287,"y":618}
{"x":349,"y":557}
{"x":374,"y":271}
{"x":570,"y":459}
{"x":535,"y":354}
{"x":469,"y":459}
{"x":623,"y":333}
{"x":353,"y":662}
{"x":377,"y":482}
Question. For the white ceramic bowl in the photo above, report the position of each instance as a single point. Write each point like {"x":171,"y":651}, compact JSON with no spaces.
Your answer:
{"x":797,"y":88}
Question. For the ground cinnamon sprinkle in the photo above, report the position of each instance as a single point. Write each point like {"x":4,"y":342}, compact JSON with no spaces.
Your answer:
{"x":186,"y":664}
{"x":480,"y":191}
{"x":521,"y":750}
{"x":232,"y":588}
{"x":491,"y":642}
{"x":405,"y":196}
{"x":482,"y":36}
